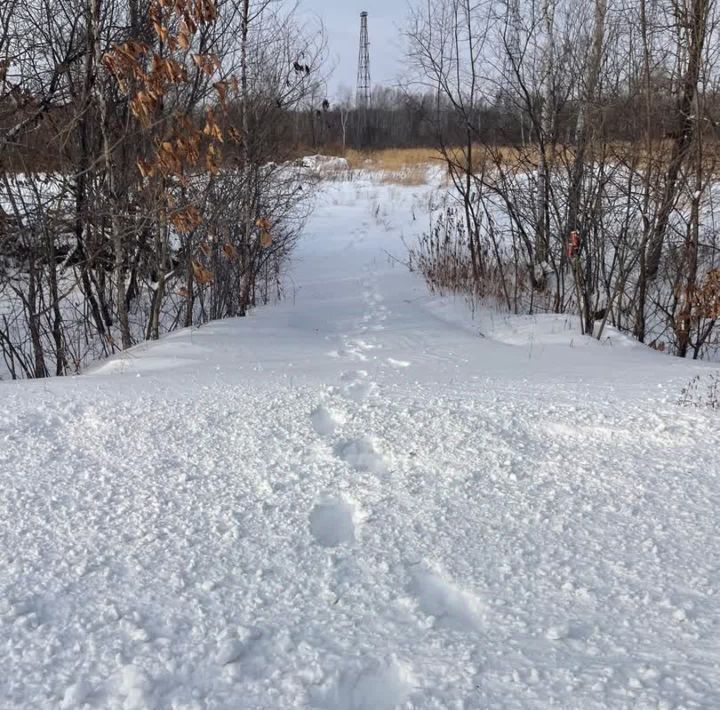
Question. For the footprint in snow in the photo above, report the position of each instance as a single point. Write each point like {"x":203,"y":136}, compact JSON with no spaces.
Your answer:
{"x":354,"y":354}
{"x":332,"y":522}
{"x":376,"y":686}
{"x":233,"y":646}
{"x":364,"y":345}
{"x":353,"y":375}
{"x":350,"y":353}
{"x":450,"y":606}
{"x":325,"y":421}
{"x":356,"y":386}
{"x":362,"y":455}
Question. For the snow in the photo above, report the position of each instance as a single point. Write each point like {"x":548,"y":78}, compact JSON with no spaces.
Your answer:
{"x":362,"y":498}
{"x":325,"y":163}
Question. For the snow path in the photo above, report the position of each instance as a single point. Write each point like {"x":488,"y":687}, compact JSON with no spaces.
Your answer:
{"x":353,"y":501}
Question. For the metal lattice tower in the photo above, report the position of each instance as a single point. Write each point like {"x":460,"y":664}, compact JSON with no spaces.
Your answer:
{"x":362,"y":95}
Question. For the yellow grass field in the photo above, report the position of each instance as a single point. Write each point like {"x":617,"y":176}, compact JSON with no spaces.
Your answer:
{"x":408,"y":166}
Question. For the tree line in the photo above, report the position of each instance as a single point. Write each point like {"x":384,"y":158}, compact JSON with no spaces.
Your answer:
{"x":605,"y":203}
{"x":145,"y":149}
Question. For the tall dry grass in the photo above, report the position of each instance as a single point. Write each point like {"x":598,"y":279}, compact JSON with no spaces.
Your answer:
{"x":398,"y":166}
{"x":409,"y":166}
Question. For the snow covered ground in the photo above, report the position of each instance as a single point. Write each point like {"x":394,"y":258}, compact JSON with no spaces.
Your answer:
{"x":362,"y":499}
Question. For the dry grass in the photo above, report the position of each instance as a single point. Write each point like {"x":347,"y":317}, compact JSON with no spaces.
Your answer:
{"x":409,"y":166}
{"x":397,"y":166}
{"x":392,"y":159}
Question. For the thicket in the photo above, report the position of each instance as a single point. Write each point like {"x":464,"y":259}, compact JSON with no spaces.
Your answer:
{"x":142,"y":184}
{"x":605,"y":204}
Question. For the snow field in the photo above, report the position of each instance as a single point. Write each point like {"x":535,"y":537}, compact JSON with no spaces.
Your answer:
{"x":353,"y":501}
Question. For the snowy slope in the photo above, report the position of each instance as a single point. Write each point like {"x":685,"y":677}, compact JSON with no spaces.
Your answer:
{"x":362,"y":499}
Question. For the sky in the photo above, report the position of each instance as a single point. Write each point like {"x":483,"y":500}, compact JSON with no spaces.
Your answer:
{"x":386,"y":20}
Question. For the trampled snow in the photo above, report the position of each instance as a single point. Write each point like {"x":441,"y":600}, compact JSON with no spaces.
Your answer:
{"x":362,"y":498}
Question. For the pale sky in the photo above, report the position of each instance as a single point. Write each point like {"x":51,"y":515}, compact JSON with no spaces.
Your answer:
{"x":386,"y":21}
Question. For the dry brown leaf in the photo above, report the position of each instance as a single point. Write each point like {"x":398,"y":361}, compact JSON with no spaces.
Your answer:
{"x":230,"y":251}
{"x":212,"y":159}
{"x":201,"y":274}
{"x":221,"y":88}
{"x":146,"y":168}
{"x":211,"y":128}
{"x":186,"y":219}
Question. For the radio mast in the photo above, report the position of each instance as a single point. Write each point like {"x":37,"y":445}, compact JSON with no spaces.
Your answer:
{"x":362,"y":95}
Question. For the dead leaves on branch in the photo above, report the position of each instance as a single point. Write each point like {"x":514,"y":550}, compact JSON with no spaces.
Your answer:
{"x":125,"y":63}
{"x":176,"y":144}
{"x":706,"y":299}
{"x":175,"y":23}
{"x":265,"y":237}
{"x":206,"y":63}
{"x":167,"y":159}
{"x":186,"y":219}
{"x":230,"y":251}
{"x":703,"y":302}
{"x":143,"y":106}
{"x":212,"y":159}
{"x":235,"y":135}
{"x":202,"y":275}
{"x":149,"y":75}
{"x":168,"y":71}
{"x":212,"y":129}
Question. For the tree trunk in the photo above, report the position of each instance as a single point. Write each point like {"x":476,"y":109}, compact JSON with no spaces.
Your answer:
{"x":116,"y":225}
{"x":695,"y":20}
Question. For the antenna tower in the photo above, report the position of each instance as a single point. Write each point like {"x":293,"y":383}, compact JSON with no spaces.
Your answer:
{"x":362,"y":96}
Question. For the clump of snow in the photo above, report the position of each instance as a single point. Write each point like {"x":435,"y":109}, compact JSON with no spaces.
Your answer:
{"x":324,"y":163}
{"x":557,"y":632}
